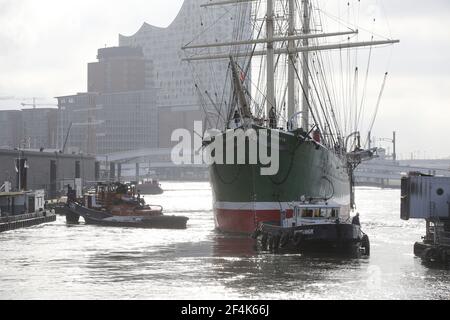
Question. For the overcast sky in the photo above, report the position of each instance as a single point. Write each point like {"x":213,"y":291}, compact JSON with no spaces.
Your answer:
{"x":46,"y":44}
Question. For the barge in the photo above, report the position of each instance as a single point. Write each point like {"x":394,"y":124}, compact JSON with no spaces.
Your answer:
{"x":23,"y":209}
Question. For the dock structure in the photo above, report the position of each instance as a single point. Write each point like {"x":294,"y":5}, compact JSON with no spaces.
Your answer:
{"x":49,"y":170}
{"x":26,"y":220}
{"x":428,"y":197}
{"x":23,"y":209}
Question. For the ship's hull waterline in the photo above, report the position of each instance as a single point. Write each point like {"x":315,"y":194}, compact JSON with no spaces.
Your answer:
{"x":243,"y":198}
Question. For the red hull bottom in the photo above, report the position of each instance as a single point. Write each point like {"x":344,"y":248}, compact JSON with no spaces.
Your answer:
{"x":244,"y":221}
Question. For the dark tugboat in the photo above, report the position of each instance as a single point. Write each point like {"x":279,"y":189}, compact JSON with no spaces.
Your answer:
{"x":150,"y":187}
{"x":118,"y":205}
{"x":314,"y":226}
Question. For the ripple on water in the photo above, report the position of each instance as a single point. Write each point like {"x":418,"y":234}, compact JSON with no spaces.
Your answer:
{"x":57,"y":261}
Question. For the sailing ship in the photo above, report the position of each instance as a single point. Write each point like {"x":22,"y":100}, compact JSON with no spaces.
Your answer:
{"x":317,"y":156}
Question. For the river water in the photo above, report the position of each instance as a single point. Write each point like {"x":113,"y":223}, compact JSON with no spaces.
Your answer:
{"x":57,"y":261}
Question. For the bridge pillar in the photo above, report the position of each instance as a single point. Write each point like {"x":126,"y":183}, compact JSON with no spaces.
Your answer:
{"x":138,"y":173}
{"x":112,"y":171}
{"x":97,"y":171}
{"x":119,"y":172}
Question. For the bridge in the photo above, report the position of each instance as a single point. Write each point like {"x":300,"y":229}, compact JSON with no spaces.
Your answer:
{"x":388,"y":173}
{"x":381,"y":172}
{"x":156,"y":162}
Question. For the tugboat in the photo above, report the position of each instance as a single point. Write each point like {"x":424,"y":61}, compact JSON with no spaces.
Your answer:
{"x":118,"y":205}
{"x":150,"y":187}
{"x":314,"y":226}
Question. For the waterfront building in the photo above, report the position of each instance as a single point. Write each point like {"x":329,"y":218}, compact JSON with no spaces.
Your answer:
{"x":176,"y":81}
{"x":39,"y":127}
{"x":10,"y":128}
{"x":118,"y":113}
{"x":29,"y":128}
{"x":141,"y":91}
{"x":47,"y":170}
{"x":119,"y":69}
{"x":104,"y":123}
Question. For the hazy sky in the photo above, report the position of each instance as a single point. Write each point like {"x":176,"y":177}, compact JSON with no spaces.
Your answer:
{"x":46,"y":44}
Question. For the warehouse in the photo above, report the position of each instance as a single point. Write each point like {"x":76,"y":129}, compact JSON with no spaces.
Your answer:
{"x":45,"y":170}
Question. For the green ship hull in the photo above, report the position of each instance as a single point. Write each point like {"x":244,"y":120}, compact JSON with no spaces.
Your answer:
{"x":243,"y":197}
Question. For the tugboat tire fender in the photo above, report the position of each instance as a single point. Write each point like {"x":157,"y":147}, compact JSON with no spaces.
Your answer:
{"x":284,"y":241}
{"x":365,"y":243}
{"x":298,"y":238}
{"x":355,"y":251}
{"x":270,"y":242}
{"x":419,"y":248}
{"x":429,"y":254}
{"x":264,"y":241}
{"x":256,"y":234}
{"x":276,"y":243}
{"x":443,"y":255}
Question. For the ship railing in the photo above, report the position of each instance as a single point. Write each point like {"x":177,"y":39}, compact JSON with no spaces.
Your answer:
{"x":25,"y":216}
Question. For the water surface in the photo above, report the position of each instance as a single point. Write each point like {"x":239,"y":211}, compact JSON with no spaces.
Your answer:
{"x":57,"y":261}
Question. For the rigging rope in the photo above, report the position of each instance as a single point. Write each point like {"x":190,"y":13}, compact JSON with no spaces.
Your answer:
{"x":362,"y":107}
{"x":378,"y":102}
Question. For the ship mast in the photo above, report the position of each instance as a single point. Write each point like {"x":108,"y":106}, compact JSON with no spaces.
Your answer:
{"x":305,"y":55}
{"x":293,"y":50}
{"x":270,"y":58}
{"x":245,"y":110}
{"x":292,"y":63}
